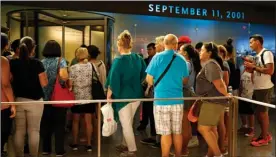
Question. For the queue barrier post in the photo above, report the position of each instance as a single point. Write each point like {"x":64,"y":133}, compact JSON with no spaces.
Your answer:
{"x":99,"y":128}
{"x":233,"y":123}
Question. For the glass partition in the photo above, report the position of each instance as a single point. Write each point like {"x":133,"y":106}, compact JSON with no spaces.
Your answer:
{"x":70,"y":29}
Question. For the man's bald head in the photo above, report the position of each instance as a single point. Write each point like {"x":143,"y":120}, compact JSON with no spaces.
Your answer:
{"x":170,"y":42}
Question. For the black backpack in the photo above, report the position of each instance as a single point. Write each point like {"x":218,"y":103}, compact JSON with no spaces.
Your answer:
{"x":273,"y":77}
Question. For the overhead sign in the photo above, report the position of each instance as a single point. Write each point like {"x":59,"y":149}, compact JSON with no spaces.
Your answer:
{"x":253,"y":12}
{"x":196,"y":12}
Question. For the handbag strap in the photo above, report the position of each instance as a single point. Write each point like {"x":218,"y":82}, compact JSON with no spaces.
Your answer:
{"x":101,"y":63}
{"x":58,"y":68}
{"x":165,"y":71}
{"x":94,"y":70}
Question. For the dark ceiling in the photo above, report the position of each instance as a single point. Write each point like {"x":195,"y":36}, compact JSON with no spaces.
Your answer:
{"x":262,"y":3}
{"x":255,"y":3}
{"x":256,"y":10}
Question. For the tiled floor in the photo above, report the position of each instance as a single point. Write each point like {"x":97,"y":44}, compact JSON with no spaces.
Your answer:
{"x":244,"y":149}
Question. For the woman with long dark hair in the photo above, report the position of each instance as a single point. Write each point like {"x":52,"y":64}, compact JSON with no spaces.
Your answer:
{"x":234,"y":80}
{"x":230,"y":50}
{"x":94,"y":52}
{"x":193,"y":62}
{"x":209,"y":83}
{"x":29,"y":78}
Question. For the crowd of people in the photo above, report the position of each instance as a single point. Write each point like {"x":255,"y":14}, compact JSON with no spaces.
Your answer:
{"x":25,"y":78}
{"x":174,"y":68}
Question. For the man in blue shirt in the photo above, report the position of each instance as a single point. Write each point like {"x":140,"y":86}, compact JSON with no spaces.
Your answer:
{"x":168,"y":114}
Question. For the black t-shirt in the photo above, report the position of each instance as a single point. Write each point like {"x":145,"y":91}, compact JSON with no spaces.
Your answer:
{"x":234,"y":79}
{"x":147,"y":60}
{"x":25,"y":81}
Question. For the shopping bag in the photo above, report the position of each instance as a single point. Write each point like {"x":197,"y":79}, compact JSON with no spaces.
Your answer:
{"x":110,"y":125}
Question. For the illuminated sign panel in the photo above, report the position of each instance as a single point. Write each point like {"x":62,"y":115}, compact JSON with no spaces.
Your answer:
{"x":196,"y":12}
{"x":221,"y":11}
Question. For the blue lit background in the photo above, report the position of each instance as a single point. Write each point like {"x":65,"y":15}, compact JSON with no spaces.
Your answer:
{"x":144,"y":29}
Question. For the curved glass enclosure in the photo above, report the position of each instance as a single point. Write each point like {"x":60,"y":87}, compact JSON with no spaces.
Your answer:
{"x":70,"y":29}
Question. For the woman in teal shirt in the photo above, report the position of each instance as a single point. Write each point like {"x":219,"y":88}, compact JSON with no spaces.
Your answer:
{"x":125,"y":82}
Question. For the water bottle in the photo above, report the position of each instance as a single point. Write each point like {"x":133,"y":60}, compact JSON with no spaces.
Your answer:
{"x":230,"y":89}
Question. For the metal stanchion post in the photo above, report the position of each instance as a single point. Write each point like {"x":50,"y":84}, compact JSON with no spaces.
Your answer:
{"x":233,"y":121}
{"x":99,"y":129}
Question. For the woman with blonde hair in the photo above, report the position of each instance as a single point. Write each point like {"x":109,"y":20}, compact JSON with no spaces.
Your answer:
{"x":125,"y":82}
{"x":80,"y":81}
{"x":159,"y":45}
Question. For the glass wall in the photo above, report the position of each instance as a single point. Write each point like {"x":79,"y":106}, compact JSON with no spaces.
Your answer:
{"x":87,"y":35}
{"x":109,"y":42}
{"x":14,"y":30}
{"x":73,"y":40}
{"x":74,"y":29}
{"x":97,"y":39}
{"x":49,"y":33}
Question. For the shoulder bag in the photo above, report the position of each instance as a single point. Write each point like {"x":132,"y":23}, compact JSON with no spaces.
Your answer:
{"x":97,"y":88}
{"x":195,"y":109}
{"x":61,"y":93}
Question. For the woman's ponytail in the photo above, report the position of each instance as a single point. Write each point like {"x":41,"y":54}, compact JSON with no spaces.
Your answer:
{"x":23,"y":52}
{"x":194,"y":57}
{"x":27,"y":45}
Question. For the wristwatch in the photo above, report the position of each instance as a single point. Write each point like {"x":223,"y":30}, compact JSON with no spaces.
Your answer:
{"x":254,"y":68}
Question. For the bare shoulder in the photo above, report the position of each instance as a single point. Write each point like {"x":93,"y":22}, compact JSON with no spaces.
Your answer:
{"x":4,"y":66}
{"x":4,"y":61}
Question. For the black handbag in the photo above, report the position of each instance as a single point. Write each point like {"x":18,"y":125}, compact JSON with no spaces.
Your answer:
{"x":97,"y":88}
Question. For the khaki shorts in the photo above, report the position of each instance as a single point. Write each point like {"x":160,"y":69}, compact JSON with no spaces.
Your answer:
{"x":168,"y":119}
{"x":188,"y":103}
{"x":262,"y":95}
{"x":210,"y":114}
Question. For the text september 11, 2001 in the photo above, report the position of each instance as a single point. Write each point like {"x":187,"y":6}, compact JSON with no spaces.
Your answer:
{"x":201,"y":12}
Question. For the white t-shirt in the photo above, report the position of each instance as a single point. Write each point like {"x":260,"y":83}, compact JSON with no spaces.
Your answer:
{"x":247,"y":86}
{"x":263,"y":81}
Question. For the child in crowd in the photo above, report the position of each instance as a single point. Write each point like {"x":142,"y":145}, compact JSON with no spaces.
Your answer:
{"x":245,"y":108}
